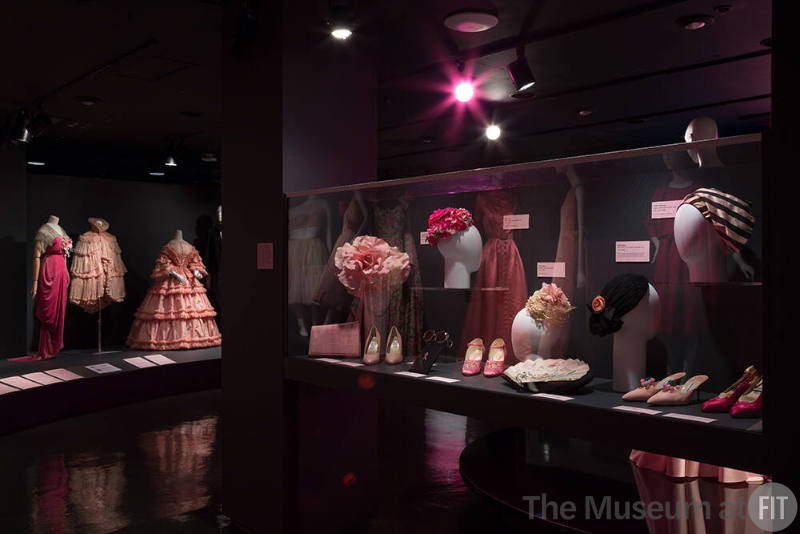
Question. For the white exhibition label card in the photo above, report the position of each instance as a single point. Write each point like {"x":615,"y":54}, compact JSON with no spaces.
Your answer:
{"x":350,"y":364}
{"x":443,"y":379}
{"x":409,"y":373}
{"x":664,"y":209}
{"x":159,"y":359}
{"x":140,"y":362}
{"x":329,"y":360}
{"x":102,"y":368}
{"x":42,"y":378}
{"x":6,"y":389}
{"x":19,"y":382}
{"x":517,"y":222}
{"x":553,"y":397}
{"x":635,"y":409}
{"x":633,"y":251}
{"x":423,"y":238}
{"x":551,"y":269}
{"x":63,"y":374}
{"x":685,"y":417}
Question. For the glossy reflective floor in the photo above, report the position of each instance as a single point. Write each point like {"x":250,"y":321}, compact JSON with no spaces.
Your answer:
{"x":136,"y":468}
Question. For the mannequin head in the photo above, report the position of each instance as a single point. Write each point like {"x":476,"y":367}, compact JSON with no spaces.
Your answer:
{"x":703,"y":129}
{"x":462,"y":256}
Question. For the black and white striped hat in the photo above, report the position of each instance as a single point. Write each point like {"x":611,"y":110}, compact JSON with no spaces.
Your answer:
{"x":731,"y":216}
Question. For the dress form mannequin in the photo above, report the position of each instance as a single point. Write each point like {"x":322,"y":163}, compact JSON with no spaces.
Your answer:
{"x":44,"y":237}
{"x":698,"y":246}
{"x":178,"y":238}
{"x":462,"y":256}
{"x":702,"y":129}
{"x":630,"y":342}
{"x":309,"y":221}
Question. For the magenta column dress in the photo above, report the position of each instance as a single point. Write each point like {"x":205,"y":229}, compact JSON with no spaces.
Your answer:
{"x":51,"y":300}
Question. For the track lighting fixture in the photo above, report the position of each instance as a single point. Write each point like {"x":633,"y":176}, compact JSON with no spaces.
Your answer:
{"x":521,"y":75}
{"x":170,"y":162}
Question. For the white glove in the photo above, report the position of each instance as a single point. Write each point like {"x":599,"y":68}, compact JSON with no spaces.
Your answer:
{"x":198,"y":274}
{"x":182,"y":279}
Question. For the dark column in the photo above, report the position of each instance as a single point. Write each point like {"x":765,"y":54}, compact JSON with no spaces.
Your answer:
{"x":780,"y":280}
{"x":257,"y":469}
{"x":14,"y":260}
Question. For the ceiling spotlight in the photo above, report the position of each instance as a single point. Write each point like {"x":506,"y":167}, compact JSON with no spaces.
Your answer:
{"x":464,"y":91}
{"x":19,"y":128}
{"x":493,"y":132}
{"x":36,"y":163}
{"x":695,"y":22}
{"x":521,"y":74}
{"x":341,"y":21}
{"x":156,"y":173}
{"x":171,"y":162}
{"x":471,"y":21}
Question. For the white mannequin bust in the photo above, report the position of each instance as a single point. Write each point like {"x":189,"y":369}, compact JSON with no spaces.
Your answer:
{"x":462,"y":256}
{"x":630,"y":342}
{"x":178,"y":235}
{"x":702,"y":129}
{"x":698,"y":246}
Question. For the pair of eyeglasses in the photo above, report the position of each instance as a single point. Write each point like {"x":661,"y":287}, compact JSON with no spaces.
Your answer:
{"x":438,"y":336}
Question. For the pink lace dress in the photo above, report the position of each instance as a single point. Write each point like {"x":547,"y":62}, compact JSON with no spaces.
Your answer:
{"x":97,"y":269}
{"x":174,"y":315}
{"x":491,"y":313}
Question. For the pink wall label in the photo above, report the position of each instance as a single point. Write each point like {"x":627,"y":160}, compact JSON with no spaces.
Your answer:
{"x":264,"y":255}
{"x":551,"y":269}
{"x":633,"y":251}
{"x":517,"y":222}
{"x":664,"y":209}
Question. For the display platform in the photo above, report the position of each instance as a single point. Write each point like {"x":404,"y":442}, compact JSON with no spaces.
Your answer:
{"x":594,"y":413}
{"x":80,"y":381}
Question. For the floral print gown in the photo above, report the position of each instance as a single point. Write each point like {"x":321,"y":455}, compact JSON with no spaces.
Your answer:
{"x":405,"y":304}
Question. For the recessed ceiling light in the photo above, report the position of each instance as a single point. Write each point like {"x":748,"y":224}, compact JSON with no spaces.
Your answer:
{"x":493,"y":132}
{"x":156,"y":173}
{"x":341,"y":21}
{"x":585,"y":112}
{"x":695,"y":22}
{"x":341,"y":33}
{"x":471,"y":21}
{"x":36,"y":163}
{"x":88,"y":101}
{"x":171,"y":162}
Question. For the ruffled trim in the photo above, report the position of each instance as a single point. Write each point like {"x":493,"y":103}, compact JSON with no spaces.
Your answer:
{"x":174,"y":334}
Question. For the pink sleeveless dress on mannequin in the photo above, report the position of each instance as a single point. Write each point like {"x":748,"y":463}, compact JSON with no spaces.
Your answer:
{"x":51,"y":300}
{"x":491,"y":313}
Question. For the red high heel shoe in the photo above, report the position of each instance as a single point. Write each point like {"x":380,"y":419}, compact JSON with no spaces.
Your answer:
{"x":725,"y":400}
{"x":749,"y":404}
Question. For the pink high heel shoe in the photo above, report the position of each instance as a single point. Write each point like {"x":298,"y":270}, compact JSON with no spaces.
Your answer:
{"x":725,"y":400}
{"x":749,"y":404}
{"x":497,"y":357}
{"x":473,"y":358}
{"x":372,"y":348}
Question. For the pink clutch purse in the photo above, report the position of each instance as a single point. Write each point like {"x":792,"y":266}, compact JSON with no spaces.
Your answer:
{"x":343,"y":339}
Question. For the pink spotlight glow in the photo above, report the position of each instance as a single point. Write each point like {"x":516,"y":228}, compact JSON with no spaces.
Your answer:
{"x":464,"y":91}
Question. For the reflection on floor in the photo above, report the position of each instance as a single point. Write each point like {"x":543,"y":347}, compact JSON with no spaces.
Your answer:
{"x":118,"y":469}
{"x":154,"y":467}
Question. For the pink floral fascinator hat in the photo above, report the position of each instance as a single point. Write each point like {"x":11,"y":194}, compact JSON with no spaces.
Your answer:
{"x":447,"y":222}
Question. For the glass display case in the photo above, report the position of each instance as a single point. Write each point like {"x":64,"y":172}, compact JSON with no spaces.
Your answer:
{"x":550,"y":291}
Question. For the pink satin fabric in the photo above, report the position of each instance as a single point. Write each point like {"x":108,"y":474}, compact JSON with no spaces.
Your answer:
{"x":51,"y":300}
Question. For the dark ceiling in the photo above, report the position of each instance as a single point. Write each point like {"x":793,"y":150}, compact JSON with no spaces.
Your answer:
{"x":154,"y":69}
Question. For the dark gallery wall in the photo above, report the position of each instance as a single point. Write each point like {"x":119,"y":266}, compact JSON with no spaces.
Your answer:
{"x":143,"y":216}
{"x":13,"y":265}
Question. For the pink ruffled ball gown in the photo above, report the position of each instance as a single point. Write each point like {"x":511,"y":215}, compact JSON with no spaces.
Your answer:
{"x":175,"y":315}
